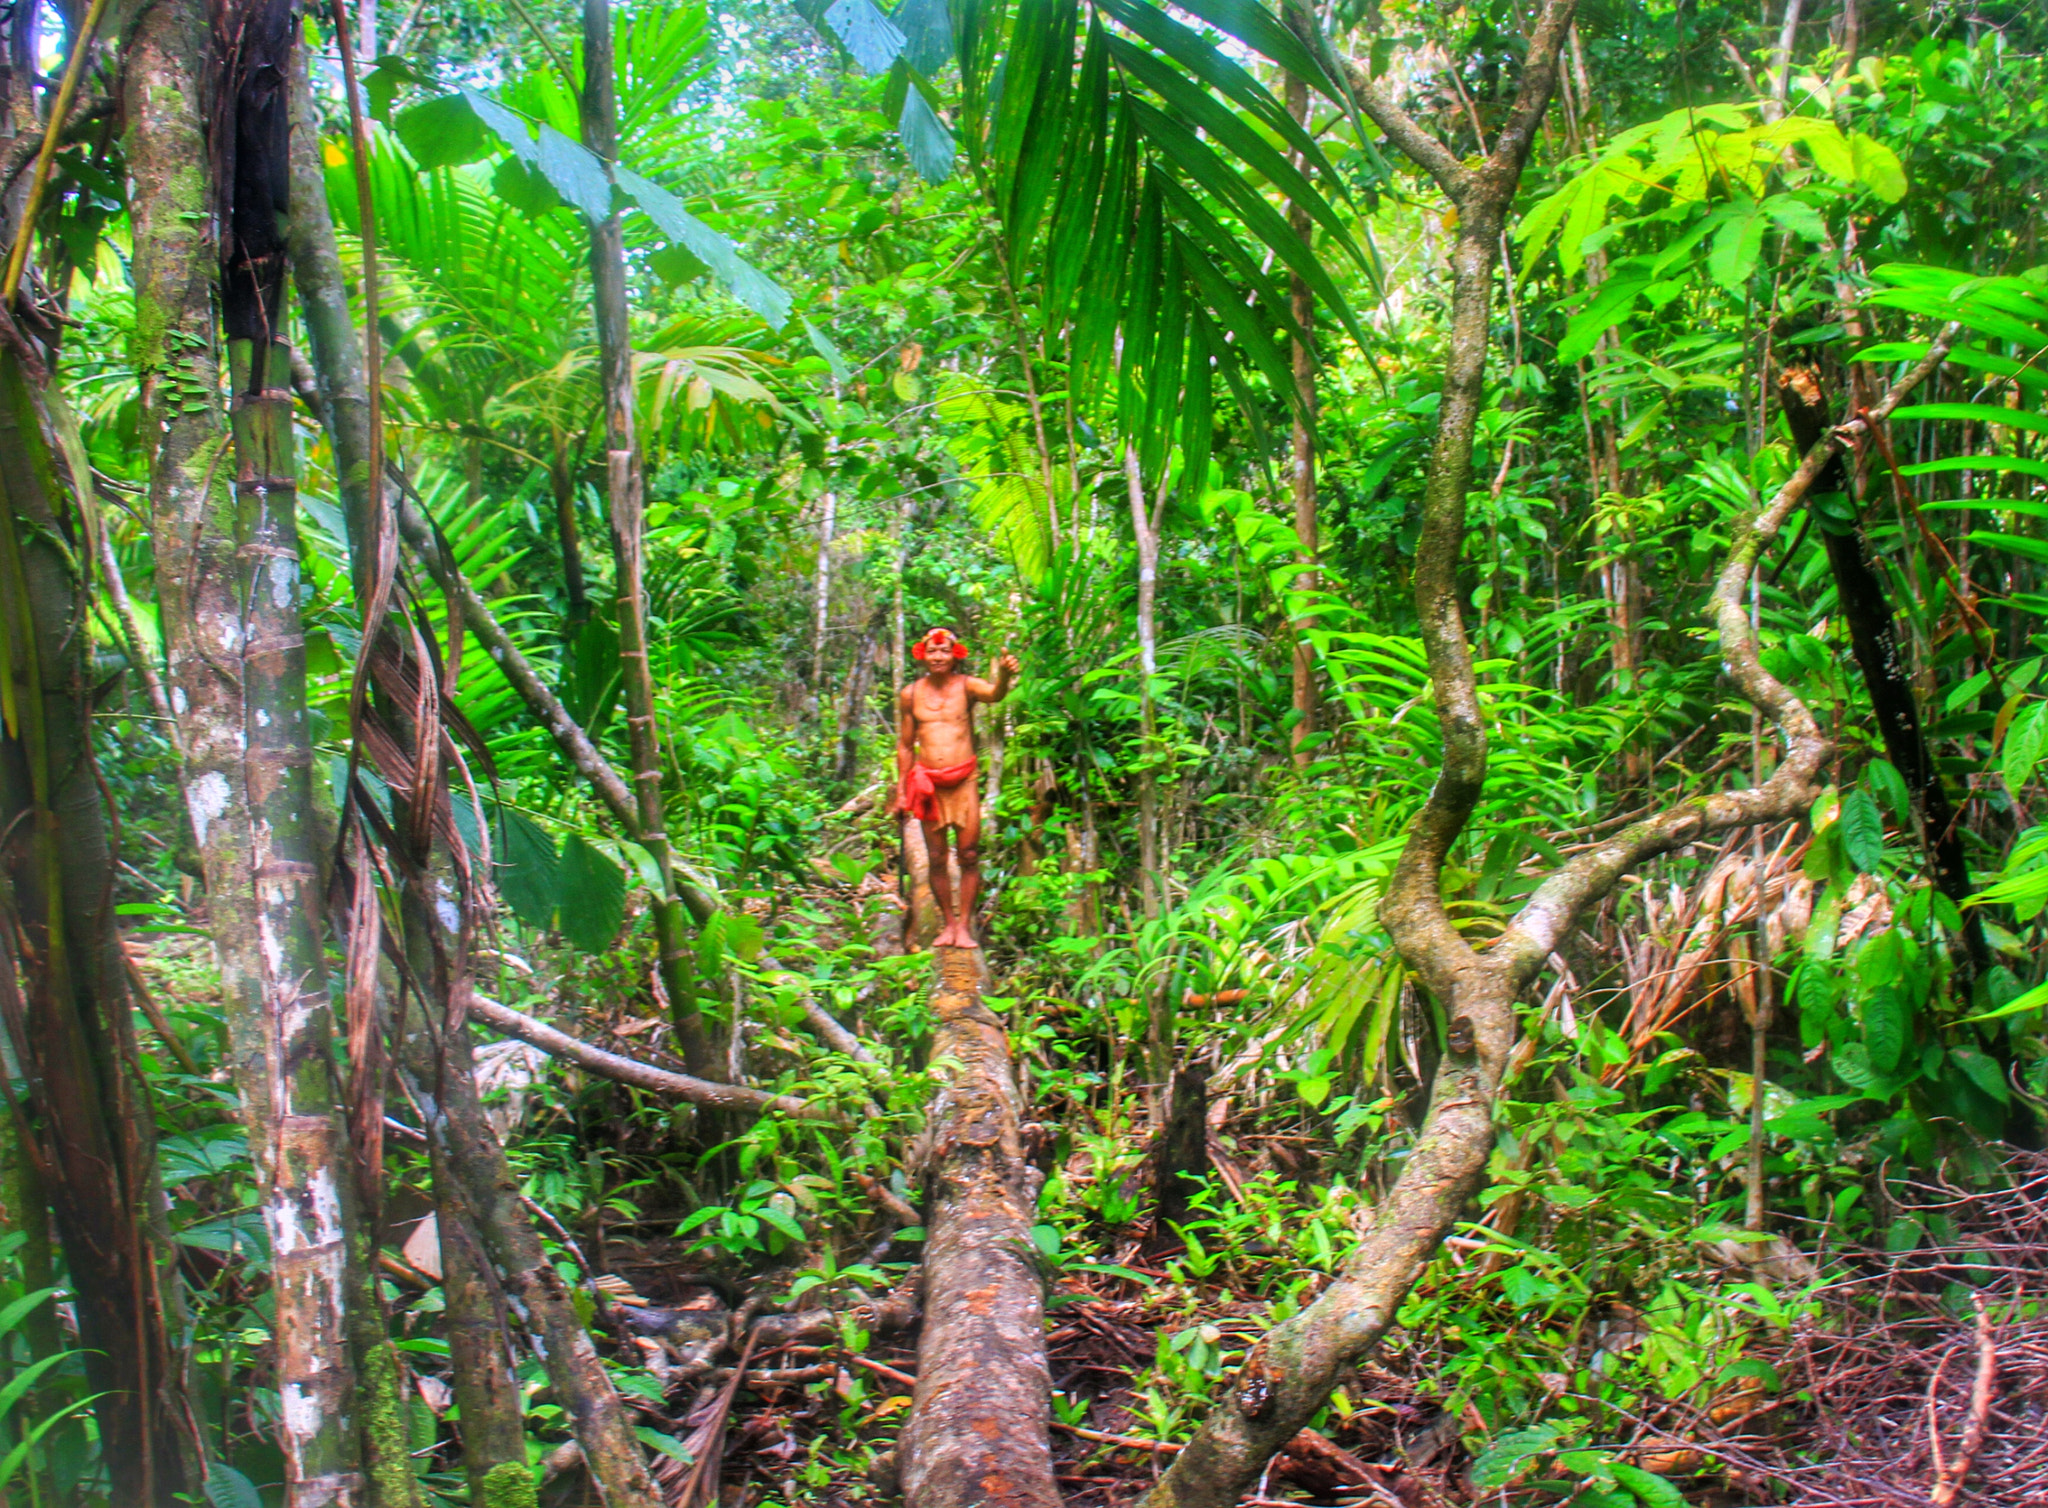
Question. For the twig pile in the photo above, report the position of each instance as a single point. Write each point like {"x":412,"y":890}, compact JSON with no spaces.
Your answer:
{"x":1928,"y":1371}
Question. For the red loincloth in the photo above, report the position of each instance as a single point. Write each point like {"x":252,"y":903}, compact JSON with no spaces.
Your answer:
{"x":919,"y":792}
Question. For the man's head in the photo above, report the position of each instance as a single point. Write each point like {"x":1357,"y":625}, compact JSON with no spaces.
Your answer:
{"x":941,"y":651}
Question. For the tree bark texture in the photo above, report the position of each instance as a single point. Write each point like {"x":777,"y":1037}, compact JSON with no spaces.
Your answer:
{"x":625,"y":482}
{"x":228,"y":574}
{"x":976,"y":1436}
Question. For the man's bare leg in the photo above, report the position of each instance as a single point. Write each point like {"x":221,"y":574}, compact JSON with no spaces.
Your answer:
{"x":942,"y":884}
{"x":969,"y":840}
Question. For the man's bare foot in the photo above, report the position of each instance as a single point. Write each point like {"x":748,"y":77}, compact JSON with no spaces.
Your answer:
{"x":955,"y":935}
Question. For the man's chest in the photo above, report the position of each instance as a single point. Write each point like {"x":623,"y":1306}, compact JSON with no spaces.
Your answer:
{"x":948,"y":706}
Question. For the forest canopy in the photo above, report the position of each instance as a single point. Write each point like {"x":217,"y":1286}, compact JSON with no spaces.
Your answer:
{"x":761,"y":753}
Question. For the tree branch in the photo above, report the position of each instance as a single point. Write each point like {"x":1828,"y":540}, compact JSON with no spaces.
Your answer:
{"x":610,"y":1065}
{"x":1406,"y":132}
{"x":1556,"y":903}
{"x":419,"y":532}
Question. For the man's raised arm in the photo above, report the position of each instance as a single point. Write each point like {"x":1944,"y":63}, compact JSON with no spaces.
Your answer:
{"x":1006,"y":674}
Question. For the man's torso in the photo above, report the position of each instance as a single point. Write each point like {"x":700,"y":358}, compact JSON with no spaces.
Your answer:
{"x":944,"y":716}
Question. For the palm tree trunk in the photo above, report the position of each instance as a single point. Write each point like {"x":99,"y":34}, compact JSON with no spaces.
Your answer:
{"x":228,"y":568}
{"x":626,"y":485}
{"x":494,"y":1451}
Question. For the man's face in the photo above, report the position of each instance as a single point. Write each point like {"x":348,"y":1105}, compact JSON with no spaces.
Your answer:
{"x":939,"y":661}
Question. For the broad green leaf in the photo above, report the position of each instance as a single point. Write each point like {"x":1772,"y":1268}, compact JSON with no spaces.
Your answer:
{"x":1608,"y":308}
{"x":2012,"y":544}
{"x":758,"y":292}
{"x":228,"y":1488}
{"x":1504,"y":1459}
{"x":1797,"y":217}
{"x":508,"y":127}
{"x":2019,"y":1005}
{"x":592,"y":903}
{"x":1877,"y":167}
{"x":2022,"y":749}
{"x":1862,"y":830}
{"x":528,"y":868}
{"x":576,"y":174}
{"x":1737,"y":245}
{"x":1977,"y":413}
{"x":523,"y":188}
{"x":925,"y":138}
{"x":1889,"y":786}
{"x":1652,"y":1490}
{"x":824,"y":347}
{"x":1982,"y":1070}
{"x":872,"y":38}
{"x":2018,"y":465}
{"x":668,"y":1445}
{"x":443,"y":132}
{"x":927,"y":34}
{"x":1887,"y":1028}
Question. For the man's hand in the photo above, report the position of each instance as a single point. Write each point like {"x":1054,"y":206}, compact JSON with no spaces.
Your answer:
{"x":1008,"y":665}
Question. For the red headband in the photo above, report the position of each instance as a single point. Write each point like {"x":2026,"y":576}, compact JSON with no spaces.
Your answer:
{"x":939,"y":638}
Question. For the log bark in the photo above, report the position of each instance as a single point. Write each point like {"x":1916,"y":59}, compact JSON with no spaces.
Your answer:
{"x":976,"y":1436}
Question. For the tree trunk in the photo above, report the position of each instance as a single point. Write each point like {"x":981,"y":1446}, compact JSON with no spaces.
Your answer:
{"x":1183,"y":1151}
{"x":1869,"y":613}
{"x":563,"y":486}
{"x":486,"y":1391}
{"x":1302,"y":462}
{"x":1288,"y":1375}
{"x":976,"y":1436}
{"x":92,"y":1139}
{"x":821,"y":598}
{"x":531,"y":1286}
{"x":250,"y":756}
{"x":626,"y":485}
{"x":853,"y":716}
{"x":1159,"y":1005}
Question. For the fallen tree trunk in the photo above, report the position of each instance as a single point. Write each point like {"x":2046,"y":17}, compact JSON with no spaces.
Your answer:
{"x":977,"y":1433}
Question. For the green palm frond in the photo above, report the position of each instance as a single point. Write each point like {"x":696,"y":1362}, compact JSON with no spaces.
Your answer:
{"x":994,"y":449}
{"x":1144,"y":170}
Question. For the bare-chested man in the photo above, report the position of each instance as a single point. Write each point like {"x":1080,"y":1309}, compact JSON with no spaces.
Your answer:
{"x":936,"y":767}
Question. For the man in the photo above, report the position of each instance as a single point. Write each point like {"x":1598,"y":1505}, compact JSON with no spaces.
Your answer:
{"x":936,"y":767}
